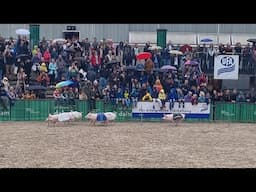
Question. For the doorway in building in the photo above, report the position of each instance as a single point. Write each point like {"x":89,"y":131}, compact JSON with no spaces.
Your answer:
{"x":70,"y":35}
{"x":252,"y":82}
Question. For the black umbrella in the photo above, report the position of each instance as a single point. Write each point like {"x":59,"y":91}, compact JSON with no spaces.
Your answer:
{"x":79,"y":58}
{"x":71,"y":50}
{"x":251,"y":40}
{"x":130,"y":67}
{"x":23,"y":56}
{"x":113,"y":62}
{"x":36,"y":87}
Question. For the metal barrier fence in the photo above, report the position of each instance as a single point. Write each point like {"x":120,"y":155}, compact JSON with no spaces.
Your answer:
{"x":38,"y":110}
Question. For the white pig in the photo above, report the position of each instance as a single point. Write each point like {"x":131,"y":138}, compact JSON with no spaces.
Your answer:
{"x":64,"y":117}
{"x":176,"y":118}
{"x":111,"y":116}
{"x":100,"y":117}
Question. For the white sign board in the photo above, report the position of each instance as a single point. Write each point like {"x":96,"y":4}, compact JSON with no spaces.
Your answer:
{"x":152,"y":110}
{"x":226,"y":67}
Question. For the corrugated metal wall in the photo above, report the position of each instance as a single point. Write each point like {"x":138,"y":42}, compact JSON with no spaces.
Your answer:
{"x":8,"y":30}
{"x":197,"y":28}
{"x":119,"y":32}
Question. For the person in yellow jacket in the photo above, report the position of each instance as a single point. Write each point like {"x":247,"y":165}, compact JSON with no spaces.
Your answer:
{"x":162,"y":98}
{"x":147,"y":97}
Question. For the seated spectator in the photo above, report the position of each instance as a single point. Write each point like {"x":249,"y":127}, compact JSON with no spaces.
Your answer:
{"x":154,"y":93}
{"x":71,"y":96}
{"x":234,"y":95}
{"x":227,"y":96}
{"x":158,"y":85}
{"x":202,"y":80}
{"x":180,"y":97}
{"x":147,"y":97}
{"x":194,"y":99}
{"x":73,"y":71}
{"x":126,"y":101}
{"x":134,"y":97}
{"x":240,"y":97}
{"x":64,"y":96}
{"x":76,"y":92}
{"x":162,"y":98}
{"x":83,"y":96}
{"x":172,"y":97}
{"x":29,"y":95}
{"x":12,"y":94}
{"x":207,"y":98}
{"x":5,"y":84}
{"x":201,"y":98}
{"x":43,"y":79}
{"x":106,"y":94}
{"x":40,"y":94}
{"x":119,"y":96}
{"x":43,"y":67}
{"x":188,"y":97}
{"x":57,"y":96}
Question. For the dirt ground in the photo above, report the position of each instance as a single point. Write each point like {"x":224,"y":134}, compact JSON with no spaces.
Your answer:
{"x":127,"y":145}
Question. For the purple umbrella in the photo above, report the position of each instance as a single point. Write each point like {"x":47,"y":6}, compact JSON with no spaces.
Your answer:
{"x":206,"y":40}
{"x":191,"y":62}
{"x":168,"y":67}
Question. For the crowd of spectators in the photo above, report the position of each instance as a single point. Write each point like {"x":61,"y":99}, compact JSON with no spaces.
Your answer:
{"x":102,"y":70}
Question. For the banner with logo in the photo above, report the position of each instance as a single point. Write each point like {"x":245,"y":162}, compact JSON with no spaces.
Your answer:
{"x":226,"y":67}
{"x":145,"y":109}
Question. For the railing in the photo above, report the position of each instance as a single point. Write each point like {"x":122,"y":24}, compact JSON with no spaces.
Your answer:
{"x":246,"y":64}
{"x":38,"y":110}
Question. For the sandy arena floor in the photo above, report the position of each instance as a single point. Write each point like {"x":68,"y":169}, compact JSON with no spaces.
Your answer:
{"x":127,"y":145}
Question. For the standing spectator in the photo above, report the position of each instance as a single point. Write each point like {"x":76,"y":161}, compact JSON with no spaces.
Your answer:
{"x":127,"y":54}
{"x":86,"y":45}
{"x":120,"y":51}
{"x":94,"y":60}
{"x":212,"y":52}
{"x":52,"y":71}
{"x":2,"y":65}
{"x":95,"y":43}
{"x":238,"y":51}
{"x":228,"y":49}
{"x":222,"y":49}
{"x":61,"y":68}
{"x":156,"y":58}
{"x":9,"y":63}
{"x":246,"y":62}
{"x":146,"y":47}
{"x":21,"y":77}
{"x":136,"y":51}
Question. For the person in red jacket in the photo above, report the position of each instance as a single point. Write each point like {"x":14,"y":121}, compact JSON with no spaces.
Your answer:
{"x":47,"y":56}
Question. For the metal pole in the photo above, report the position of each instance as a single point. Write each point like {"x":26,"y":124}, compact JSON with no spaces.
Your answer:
{"x":218,"y":33}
